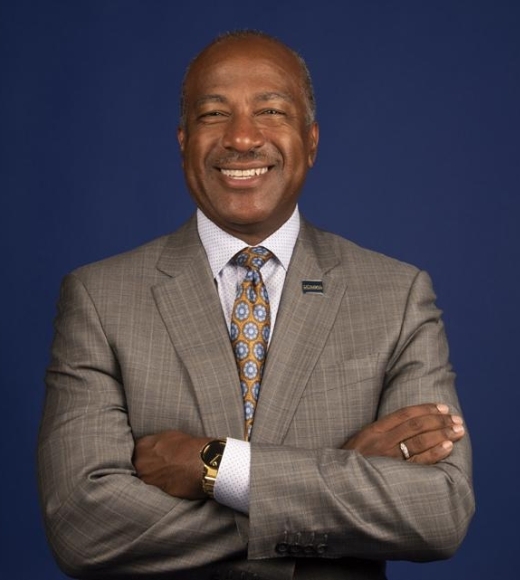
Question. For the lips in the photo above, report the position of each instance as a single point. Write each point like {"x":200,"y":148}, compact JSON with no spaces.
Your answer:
{"x":244,"y":173}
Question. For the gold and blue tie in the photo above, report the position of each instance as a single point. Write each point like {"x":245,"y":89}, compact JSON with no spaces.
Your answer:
{"x":250,"y":328}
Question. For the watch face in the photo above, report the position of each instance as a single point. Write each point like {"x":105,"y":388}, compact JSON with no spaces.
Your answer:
{"x":212,"y":453}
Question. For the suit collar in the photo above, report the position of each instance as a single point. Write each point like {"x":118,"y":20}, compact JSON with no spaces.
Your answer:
{"x":182,"y":248}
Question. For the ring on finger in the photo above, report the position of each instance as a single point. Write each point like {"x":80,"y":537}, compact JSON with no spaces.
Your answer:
{"x":404,"y":450}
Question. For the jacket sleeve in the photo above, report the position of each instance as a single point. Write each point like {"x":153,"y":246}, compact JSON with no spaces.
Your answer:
{"x":334,"y":503}
{"x":101,"y":520}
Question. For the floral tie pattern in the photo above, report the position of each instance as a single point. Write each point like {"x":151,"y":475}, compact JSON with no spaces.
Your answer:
{"x":250,"y":328}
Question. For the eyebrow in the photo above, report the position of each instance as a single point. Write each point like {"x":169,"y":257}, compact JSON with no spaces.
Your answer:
{"x":272,"y":96}
{"x":210,"y":99}
{"x":259,"y":98}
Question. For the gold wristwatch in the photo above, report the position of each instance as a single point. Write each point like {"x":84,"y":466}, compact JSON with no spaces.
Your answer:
{"x":211,"y":455}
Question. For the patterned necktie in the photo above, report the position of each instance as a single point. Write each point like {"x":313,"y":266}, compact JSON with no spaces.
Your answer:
{"x":250,"y":327}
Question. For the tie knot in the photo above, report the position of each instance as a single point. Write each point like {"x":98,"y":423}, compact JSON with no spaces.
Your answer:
{"x":252,"y":258}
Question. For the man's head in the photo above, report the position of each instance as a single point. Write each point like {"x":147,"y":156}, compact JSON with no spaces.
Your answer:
{"x":307,"y":86}
{"x":247,"y":134}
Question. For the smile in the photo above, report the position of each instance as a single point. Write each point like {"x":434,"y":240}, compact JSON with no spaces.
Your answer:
{"x":244,"y":173}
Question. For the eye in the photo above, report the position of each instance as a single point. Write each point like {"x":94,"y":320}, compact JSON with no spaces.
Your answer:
{"x":272,"y":112}
{"x":212,"y":116}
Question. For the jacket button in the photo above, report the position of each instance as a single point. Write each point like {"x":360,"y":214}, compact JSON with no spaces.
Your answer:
{"x":282,"y":548}
{"x":321,"y":549}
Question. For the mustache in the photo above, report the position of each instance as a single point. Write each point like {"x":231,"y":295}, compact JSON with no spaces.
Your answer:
{"x":237,"y":157}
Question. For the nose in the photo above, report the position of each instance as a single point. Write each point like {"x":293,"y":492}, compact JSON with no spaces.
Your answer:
{"x":242,"y":134}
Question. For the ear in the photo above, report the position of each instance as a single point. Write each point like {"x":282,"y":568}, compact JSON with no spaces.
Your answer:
{"x":181,"y":138}
{"x":313,"y":138}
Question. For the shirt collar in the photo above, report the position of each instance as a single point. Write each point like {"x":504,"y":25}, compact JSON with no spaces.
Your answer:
{"x":220,"y":246}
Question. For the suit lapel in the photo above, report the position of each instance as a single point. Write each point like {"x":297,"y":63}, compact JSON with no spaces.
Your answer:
{"x":303,"y":324}
{"x":190,"y":308}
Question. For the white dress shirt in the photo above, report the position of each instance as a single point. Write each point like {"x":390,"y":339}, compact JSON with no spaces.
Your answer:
{"x":232,"y":483}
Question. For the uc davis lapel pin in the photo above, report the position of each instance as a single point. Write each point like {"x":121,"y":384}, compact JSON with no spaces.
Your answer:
{"x":312,"y":286}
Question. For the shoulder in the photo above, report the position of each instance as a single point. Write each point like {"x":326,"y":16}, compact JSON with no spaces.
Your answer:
{"x":139,"y":261}
{"x":356,"y":261}
{"x":381,"y":282}
{"x":143,"y":263}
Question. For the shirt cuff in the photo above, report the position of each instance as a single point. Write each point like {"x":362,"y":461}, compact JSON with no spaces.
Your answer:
{"x":232,"y":483}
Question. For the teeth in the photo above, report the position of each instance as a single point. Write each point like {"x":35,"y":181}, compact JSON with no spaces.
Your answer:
{"x":244,"y":173}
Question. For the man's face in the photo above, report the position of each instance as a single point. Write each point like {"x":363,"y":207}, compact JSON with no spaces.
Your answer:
{"x":246,"y":143}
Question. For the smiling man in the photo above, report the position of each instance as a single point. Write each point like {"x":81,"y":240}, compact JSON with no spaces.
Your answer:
{"x":248,"y":136}
{"x":250,"y":397}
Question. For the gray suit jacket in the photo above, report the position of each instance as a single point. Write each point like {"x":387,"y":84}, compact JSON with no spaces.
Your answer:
{"x":141,"y":346}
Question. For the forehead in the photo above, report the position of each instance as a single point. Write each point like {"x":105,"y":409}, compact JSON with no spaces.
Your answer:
{"x":253,"y":64}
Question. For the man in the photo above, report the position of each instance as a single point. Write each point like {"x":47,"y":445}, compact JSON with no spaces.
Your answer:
{"x":157,"y":458}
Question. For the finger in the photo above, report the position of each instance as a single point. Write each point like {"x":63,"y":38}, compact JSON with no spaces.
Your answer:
{"x":433,"y":455}
{"x":425,"y":441}
{"x":405,"y":414}
{"x":380,"y":440}
{"x":416,"y":426}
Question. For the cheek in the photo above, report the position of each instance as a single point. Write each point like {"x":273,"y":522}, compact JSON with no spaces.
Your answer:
{"x":295,"y":150}
{"x":194,"y":147}
{"x":194,"y":170}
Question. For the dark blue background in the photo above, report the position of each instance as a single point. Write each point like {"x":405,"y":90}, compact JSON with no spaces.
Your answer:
{"x":419,"y":106}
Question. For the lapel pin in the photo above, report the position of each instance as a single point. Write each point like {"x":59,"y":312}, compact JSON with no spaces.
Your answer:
{"x":312,"y":286}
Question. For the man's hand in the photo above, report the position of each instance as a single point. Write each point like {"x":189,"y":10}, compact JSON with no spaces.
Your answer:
{"x":171,"y":461}
{"x":428,"y":431}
